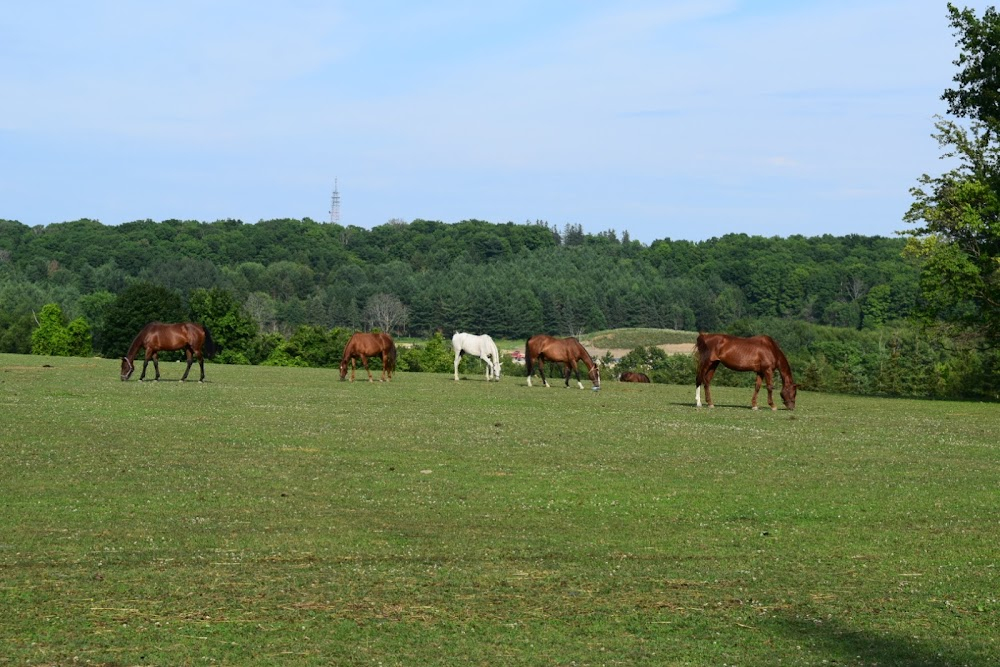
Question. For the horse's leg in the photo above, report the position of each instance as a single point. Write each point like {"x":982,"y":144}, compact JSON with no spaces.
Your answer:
{"x":201,"y":364}
{"x":190,"y":360}
{"x":144,"y":364}
{"x":699,"y":380}
{"x":709,"y":372}
{"x":364,"y":362}
{"x":458,"y":359}
{"x":353,"y":360}
{"x":756,"y":388}
{"x":576,"y":369}
{"x":541,"y":371}
{"x":385,"y":359}
{"x":489,"y":365}
{"x":769,"y":379}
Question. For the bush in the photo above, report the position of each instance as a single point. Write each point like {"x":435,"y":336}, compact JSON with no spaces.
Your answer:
{"x":51,"y":337}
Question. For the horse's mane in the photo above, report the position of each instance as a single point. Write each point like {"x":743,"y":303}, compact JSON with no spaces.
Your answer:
{"x":136,"y":343}
{"x":784,"y":368}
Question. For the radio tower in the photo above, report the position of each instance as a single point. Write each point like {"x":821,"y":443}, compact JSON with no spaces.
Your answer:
{"x":335,"y":205}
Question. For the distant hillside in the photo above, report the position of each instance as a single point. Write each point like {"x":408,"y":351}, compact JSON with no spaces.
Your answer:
{"x":621,"y":341}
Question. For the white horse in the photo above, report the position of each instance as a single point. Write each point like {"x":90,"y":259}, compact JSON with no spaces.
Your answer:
{"x":481,"y":346}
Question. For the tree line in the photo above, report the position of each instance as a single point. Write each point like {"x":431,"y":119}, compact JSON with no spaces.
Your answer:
{"x":512,"y":280}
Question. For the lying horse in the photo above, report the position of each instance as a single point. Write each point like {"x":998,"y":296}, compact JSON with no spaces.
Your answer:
{"x":481,"y":346}
{"x":156,"y":337}
{"x":629,"y":376}
{"x":364,"y":345}
{"x":542,"y":348}
{"x":759,"y":354}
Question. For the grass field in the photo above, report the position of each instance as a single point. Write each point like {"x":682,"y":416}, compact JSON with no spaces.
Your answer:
{"x":276,"y":516}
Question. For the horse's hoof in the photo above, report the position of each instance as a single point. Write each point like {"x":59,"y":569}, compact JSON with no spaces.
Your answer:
{"x":755,"y":408}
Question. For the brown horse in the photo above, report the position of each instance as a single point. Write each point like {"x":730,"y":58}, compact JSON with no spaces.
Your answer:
{"x":629,"y":376}
{"x":759,"y":354}
{"x":364,"y":345}
{"x":542,"y":348}
{"x":156,"y":337}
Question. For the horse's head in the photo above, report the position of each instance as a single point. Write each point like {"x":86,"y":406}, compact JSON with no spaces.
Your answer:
{"x":788,"y":392}
{"x":343,"y":369}
{"x":127,"y":369}
{"x":595,"y":376}
{"x":496,"y":370}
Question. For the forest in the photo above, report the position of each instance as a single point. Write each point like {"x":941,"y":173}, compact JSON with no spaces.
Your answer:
{"x":291,"y":291}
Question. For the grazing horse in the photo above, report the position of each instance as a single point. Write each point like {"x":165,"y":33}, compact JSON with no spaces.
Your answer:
{"x":155,"y":337}
{"x":759,"y":354}
{"x":629,"y":376}
{"x":481,"y":346}
{"x":364,"y":345}
{"x":542,"y":348}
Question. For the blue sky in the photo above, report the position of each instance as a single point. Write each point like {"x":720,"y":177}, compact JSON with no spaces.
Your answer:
{"x":669,"y":119}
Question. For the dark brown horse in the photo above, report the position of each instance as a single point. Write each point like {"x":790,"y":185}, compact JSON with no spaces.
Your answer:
{"x":364,"y":345}
{"x":629,"y":376}
{"x":542,"y":348}
{"x":157,"y":337}
{"x":759,"y":354}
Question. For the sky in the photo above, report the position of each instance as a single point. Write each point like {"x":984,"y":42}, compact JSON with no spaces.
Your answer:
{"x":671,"y":119}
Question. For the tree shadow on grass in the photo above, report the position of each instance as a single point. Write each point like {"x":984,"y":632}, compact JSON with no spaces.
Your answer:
{"x":840,"y":644}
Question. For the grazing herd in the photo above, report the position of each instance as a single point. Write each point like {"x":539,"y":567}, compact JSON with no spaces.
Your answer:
{"x":758,"y":354}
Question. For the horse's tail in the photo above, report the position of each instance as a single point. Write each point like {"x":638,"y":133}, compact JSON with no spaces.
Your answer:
{"x":208,"y":349}
{"x":701,"y":347}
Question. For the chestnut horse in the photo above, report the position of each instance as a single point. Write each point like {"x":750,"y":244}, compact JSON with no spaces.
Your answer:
{"x":542,"y":348}
{"x":759,"y":354}
{"x":155,"y":337}
{"x":629,"y":376}
{"x":364,"y":345}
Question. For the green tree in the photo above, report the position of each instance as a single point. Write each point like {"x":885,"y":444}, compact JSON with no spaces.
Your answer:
{"x":977,"y":95}
{"x":81,"y":343}
{"x":957,"y":240}
{"x":233,"y":330}
{"x":51,"y":336}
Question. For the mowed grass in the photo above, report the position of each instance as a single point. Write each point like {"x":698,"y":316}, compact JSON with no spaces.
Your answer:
{"x":277,"y":516}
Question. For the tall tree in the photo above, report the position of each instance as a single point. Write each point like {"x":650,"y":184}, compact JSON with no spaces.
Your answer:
{"x":977,"y":96}
{"x":957,"y":240}
{"x":386,"y":312}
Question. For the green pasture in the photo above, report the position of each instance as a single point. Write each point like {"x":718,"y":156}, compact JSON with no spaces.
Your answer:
{"x":277,"y":516}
